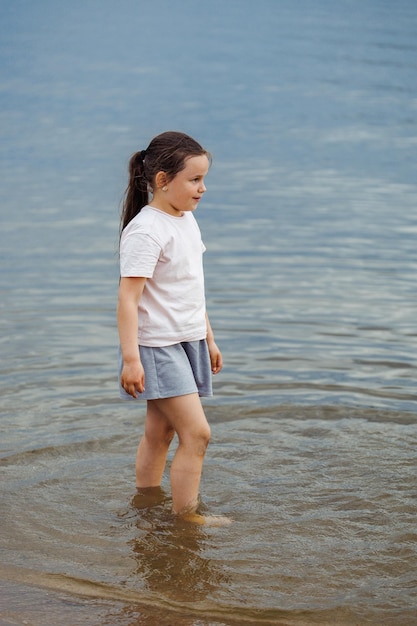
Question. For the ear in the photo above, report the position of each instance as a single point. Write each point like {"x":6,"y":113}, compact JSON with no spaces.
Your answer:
{"x":160,"y":180}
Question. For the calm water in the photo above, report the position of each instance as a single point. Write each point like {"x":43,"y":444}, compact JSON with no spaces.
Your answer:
{"x":310,"y":224}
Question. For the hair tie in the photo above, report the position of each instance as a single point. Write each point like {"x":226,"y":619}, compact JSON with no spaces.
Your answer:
{"x":142,"y":154}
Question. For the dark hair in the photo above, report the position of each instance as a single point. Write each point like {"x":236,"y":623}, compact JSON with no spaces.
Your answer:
{"x":167,"y":153}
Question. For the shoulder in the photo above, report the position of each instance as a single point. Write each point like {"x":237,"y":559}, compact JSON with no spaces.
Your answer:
{"x":143,"y":221}
{"x":145,"y":224}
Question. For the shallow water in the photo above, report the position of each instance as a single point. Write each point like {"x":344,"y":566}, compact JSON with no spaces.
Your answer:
{"x":309,"y":223}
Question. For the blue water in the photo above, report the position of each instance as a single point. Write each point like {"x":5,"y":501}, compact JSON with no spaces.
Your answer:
{"x":309,"y":220}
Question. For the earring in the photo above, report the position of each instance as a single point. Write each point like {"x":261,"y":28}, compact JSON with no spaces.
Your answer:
{"x":165,"y":188}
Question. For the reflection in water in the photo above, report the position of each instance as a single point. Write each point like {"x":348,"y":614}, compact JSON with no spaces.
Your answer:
{"x":170,"y":552}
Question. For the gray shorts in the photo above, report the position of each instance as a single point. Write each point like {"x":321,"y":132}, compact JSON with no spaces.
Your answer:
{"x":175,"y":370}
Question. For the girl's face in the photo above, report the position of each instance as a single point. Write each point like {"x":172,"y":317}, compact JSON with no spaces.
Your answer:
{"x":184,"y":191}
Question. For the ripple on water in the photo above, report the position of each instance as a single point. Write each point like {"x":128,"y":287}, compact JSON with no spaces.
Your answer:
{"x":323,"y":513}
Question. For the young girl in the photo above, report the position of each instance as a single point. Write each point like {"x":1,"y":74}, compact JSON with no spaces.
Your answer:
{"x":167,"y":345}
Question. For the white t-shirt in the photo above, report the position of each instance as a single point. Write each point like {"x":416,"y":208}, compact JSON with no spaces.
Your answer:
{"x":168,"y":251}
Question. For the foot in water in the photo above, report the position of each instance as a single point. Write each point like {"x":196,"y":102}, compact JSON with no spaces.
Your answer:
{"x":206,"y":520}
{"x":148,"y":497}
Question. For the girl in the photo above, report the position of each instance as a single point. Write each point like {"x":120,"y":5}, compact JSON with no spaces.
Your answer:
{"x":167,"y":345}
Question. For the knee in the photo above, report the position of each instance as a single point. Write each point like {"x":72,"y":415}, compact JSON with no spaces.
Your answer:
{"x":205,"y":436}
{"x":161,"y":437}
{"x":200,"y":439}
{"x":169,"y":435}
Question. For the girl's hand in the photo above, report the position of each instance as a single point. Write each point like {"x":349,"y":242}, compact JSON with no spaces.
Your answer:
{"x":133,"y":378}
{"x":216,"y":358}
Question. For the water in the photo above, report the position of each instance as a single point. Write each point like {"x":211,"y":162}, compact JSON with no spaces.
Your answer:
{"x":310,"y":224}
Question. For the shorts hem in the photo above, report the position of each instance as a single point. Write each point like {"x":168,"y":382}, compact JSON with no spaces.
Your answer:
{"x":142,"y":396}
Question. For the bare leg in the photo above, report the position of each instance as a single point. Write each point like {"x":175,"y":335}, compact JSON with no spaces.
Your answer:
{"x":186,"y":416}
{"x":153,"y":448}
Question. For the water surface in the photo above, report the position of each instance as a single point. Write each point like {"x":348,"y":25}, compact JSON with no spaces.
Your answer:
{"x":310,"y":224}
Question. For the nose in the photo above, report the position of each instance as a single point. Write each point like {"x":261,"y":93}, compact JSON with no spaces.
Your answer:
{"x":203,"y":188}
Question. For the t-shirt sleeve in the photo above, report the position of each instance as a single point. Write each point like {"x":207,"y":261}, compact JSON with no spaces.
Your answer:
{"x":139,"y":254}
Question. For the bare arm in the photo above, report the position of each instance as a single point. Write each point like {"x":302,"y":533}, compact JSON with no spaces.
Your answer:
{"x":133,"y":376}
{"x":216,"y":358}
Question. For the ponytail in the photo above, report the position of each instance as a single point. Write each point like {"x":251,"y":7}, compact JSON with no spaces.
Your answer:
{"x":136,"y":194}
